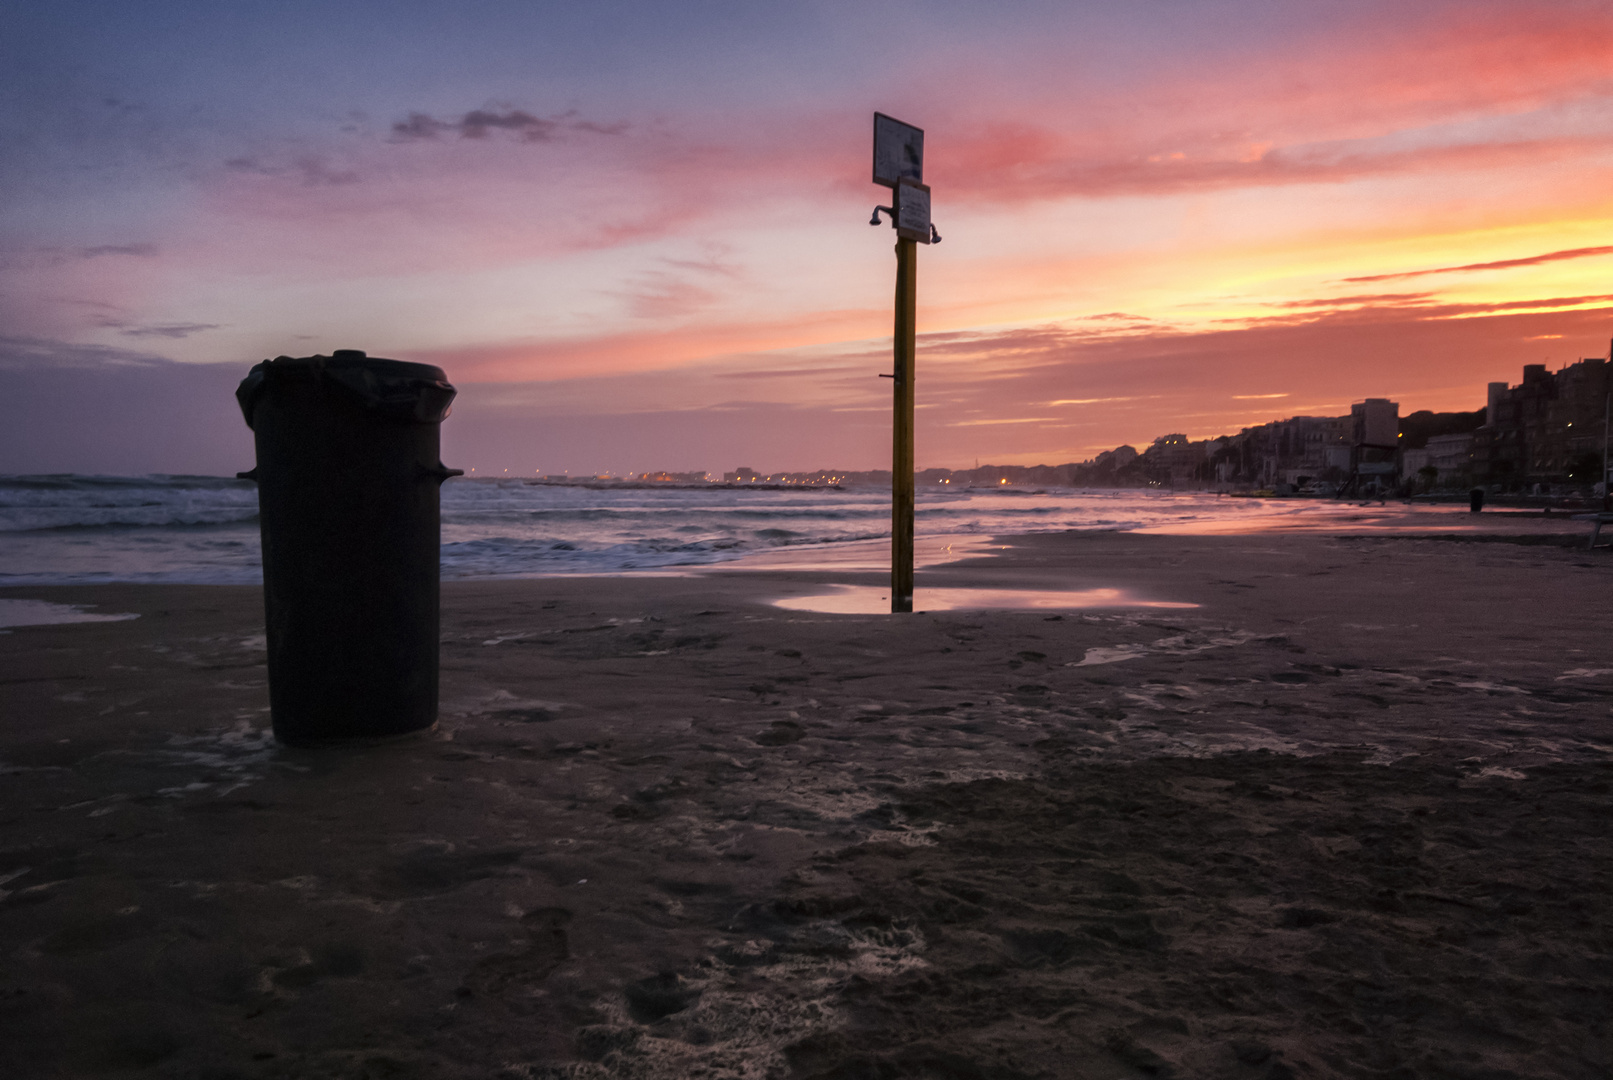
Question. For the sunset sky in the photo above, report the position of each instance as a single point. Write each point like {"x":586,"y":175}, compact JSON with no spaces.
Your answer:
{"x":636,"y":235}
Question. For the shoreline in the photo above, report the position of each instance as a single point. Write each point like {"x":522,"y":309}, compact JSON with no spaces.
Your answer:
{"x":1349,"y":810}
{"x":936,"y":549}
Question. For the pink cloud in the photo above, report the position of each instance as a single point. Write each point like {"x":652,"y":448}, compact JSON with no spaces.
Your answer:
{"x":1318,"y":110}
{"x":634,"y":351}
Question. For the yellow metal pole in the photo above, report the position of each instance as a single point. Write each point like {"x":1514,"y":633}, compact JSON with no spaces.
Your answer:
{"x":902,"y":429}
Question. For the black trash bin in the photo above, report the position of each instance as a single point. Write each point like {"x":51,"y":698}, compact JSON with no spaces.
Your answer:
{"x":348,"y":478}
{"x":1475,"y":500}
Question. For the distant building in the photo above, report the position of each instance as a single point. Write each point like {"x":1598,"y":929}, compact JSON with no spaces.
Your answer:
{"x":1413,"y":462}
{"x":1546,"y":429}
{"x":1120,"y":456}
{"x":1112,"y":468}
{"x":1452,"y":455}
{"x":1003,"y":476}
{"x":1375,"y":422}
{"x":665,"y":477}
{"x":1374,"y":444}
{"x":1174,"y":459}
{"x":1296,"y":451}
{"x":742,"y":475}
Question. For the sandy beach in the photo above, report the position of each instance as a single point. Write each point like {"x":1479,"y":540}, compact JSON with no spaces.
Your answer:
{"x":1347,"y":816}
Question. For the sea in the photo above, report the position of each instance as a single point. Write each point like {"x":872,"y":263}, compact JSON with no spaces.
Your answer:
{"x":71,"y":529}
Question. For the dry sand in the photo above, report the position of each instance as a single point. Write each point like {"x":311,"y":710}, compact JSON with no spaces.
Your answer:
{"x":1347,"y":818}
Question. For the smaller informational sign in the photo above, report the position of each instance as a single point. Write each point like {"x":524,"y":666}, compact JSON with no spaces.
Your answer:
{"x":898,"y":151}
{"x":913,"y":211}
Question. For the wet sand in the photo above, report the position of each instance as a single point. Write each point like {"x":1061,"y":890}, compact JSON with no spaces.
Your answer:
{"x":1348,"y":817}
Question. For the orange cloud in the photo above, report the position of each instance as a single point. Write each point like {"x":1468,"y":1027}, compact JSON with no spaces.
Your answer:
{"x":1498,"y":264}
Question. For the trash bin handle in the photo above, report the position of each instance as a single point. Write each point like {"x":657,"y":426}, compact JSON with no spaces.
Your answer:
{"x":440,"y":471}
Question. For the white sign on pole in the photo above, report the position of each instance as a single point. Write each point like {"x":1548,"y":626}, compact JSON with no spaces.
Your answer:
{"x":913,"y":211}
{"x":898,"y":151}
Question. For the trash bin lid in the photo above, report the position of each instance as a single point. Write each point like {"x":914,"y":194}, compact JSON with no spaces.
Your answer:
{"x":393,"y":389}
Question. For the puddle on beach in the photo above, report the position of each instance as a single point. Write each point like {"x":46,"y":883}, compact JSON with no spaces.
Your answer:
{"x":876,"y":600}
{"x":45,"y":613}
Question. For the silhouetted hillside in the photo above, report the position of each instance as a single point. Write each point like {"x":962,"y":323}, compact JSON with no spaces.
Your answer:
{"x":1422,"y":425}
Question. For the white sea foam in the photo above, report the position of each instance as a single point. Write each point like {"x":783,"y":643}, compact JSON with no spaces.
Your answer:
{"x":1116,"y":655}
{"x":45,"y":613}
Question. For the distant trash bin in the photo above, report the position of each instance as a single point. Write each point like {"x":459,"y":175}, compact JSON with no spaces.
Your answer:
{"x":348,"y":478}
{"x":1475,"y":500}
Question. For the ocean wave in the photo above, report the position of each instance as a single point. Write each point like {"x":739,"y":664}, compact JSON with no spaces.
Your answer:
{"x":472,"y":515}
{"x":514,"y":556}
{"x":175,"y":575}
{"x":505,"y":556}
{"x":72,"y":482}
{"x":55,"y":502}
{"x":65,"y":529}
{"x":124,"y":518}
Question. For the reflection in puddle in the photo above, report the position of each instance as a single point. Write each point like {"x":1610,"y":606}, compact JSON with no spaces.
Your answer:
{"x":876,"y":600}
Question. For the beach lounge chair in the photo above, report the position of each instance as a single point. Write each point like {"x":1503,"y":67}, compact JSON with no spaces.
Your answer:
{"x":1597,"y":521}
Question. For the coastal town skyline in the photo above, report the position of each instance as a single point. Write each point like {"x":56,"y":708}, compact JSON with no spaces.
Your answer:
{"x":1550,"y":428}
